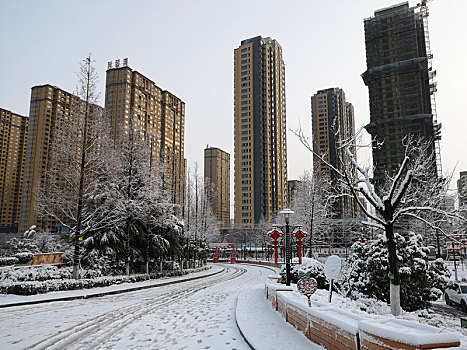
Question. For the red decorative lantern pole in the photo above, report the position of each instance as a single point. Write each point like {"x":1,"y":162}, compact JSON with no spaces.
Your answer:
{"x":275,"y":234}
{"x":233,"y":257}
{"x":299,"y":235}
{"x":217,"y":252}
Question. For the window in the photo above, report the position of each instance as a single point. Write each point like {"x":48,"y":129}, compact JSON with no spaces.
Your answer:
{"x":245,"y":126}
{"x":245,"y":72}
{"x":244,"y":108}
{"x":245,"y":114}
{"x":244,"y":61}
{"x":244,"y":90}
{"x":244,"y":49}
{"x":244,"y":102}
{"x":244,"y":120}
{"x":244,"y":97}
{"x":245,"y":214}
{"x":244,"y":79}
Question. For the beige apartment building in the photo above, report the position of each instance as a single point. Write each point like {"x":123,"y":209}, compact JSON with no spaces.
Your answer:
{"x":217,"y":172}
{"x":333,"y":122}
{"x":13,"y":136}
{"x":260,"y":131}
{"x":50,"y":107}
{"x":161,"y":118}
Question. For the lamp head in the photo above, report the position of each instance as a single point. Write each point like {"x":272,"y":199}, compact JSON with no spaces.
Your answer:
{"x":286,"y":212}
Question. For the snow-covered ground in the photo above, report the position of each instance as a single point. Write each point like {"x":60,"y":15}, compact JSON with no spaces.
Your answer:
{"x":199,"y":314}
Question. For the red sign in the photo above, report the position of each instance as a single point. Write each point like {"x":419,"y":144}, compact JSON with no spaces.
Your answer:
{"x":307,"y":286}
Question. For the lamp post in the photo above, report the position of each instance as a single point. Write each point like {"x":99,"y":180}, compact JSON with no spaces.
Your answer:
{"x":287,"y":212}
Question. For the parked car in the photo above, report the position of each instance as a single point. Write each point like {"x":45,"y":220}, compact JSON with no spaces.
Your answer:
{"x":457,"y":294}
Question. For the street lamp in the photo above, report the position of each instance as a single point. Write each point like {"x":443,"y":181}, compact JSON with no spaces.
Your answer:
{"x":287,"y":212}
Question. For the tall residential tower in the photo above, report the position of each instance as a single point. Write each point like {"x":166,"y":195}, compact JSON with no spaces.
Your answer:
{"x":333,"y":122}
{"x":161,"y":117}
{"x":217,"y":170}
{"x":13,"y":136}
{"x":400,"y":85}
{"x":50,"y":108}
{"x":260,"y":131}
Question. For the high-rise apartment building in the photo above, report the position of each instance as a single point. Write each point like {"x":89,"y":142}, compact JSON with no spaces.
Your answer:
{"x":50,"y":107}
{"x":400,"y":83}
{"x":217,"y":172}
{"x":161,"y":118}
{"x":260,"y":131}
{"x":333,"y":122}
{"x":13,"y":135}
{"x":462,"y":189}
{"x":292,"y":188}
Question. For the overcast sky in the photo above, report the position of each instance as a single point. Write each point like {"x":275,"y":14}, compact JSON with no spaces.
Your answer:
{"x":187,"y":46}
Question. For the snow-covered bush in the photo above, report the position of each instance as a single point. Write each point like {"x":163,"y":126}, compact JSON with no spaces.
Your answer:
{"x":35,"y":273}
{"x":22,"y":245}
{"x":8,"y":260}
{"x":24,"y":257}
{"x":421,"y":282}
{"x":310,"y":267}
{"x":38,"y":287}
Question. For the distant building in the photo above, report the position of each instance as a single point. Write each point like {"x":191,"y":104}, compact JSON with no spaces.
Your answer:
{"x":333,"y":122}
{"x":401,"y":86}
{"x":217,"y":171}
{"x":161,"y":117}
{"x":292,"y":188}
{"x":462,"y":189}
{"x":13,"y":136}
{"x":50,"y":107}
{"x":260,"y":131}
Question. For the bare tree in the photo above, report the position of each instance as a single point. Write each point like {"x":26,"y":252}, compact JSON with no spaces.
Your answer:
{"x":75,"y":155}
{"x":399,"y":199}
{"x":312,"y":204}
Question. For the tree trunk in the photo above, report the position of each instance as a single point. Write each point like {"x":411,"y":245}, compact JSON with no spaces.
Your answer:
{"x":127,"y":249}
{"x":394,"y":276}
{"x":82,"y":175}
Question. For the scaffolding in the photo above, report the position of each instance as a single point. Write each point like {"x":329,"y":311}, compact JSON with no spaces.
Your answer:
{"x":401,"y":84}
{"x":432,"y":74}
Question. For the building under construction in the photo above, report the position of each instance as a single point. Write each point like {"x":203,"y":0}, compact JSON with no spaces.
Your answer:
{"x":401,"y":85}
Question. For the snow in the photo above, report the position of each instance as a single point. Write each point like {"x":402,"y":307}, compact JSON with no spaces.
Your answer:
{"x":408,"y":332}
{"x":264,"y":328}
{"x":6,"y":299}
{"x":200,"y":314}
{"x":347,"y":314}
{"x":332,"y":266}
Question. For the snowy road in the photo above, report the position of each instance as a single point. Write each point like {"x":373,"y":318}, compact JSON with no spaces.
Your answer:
{"x":197,"y":314}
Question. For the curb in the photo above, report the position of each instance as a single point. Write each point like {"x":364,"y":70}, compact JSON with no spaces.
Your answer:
{"x":241,"y":332}
{"x":95,"y":295}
